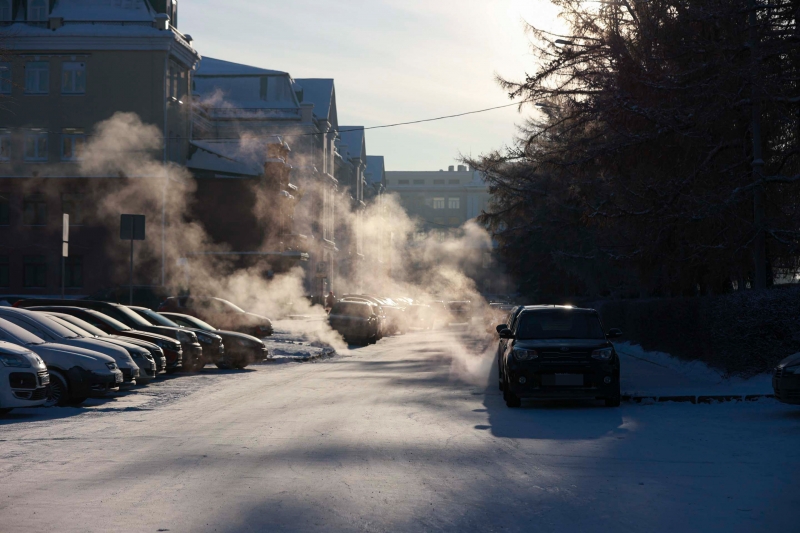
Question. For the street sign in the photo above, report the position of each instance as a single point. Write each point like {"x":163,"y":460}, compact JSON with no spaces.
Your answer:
{"x":64,"y":249}
{"x":65,"y":230}
{"x":131,"y":227}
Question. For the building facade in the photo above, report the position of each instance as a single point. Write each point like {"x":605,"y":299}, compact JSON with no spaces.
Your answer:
{"x":69,"y":65}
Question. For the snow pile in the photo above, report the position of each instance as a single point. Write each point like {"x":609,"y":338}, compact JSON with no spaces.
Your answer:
{"x":291,"y":344}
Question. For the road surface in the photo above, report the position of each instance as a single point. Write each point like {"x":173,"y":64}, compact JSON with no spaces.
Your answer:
{"x":408,"y":435}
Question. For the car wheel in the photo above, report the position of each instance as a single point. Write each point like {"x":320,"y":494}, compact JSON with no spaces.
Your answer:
{"x":512,"y":400}
{"x":57,"y":391}
{"x":372,"y":340}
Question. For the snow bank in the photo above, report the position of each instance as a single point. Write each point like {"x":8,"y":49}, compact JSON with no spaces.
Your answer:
{"x":287,"y":345}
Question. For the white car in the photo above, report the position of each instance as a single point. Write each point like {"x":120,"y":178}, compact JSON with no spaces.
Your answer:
{"x":141,"y":356}
{"x":75,"y":373}
{"x":23,"y":378}
{"x":50,"y":331}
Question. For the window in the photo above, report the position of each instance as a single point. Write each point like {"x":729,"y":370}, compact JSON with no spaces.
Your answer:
{"x":438,"y":182}
{"x":438,"y":203}
{"x":37,"y":77}
{"x":5,"y":10}
{"x":72,"y":204}
{"x":4,"y":211}
{"x":402,"y":182}
{"x":73,"y":272}
{"x":36,"y":146}
{"x":5,"y":280}
{"x":73,"y":78}
{"x":454,"y":203}
{"x":34,"y":210}
{"x":72,"y":143}
{"x":37,"y":10}
{"x":34,"y":271}
{"x":419,"y":182}
{"x":454,"y":182}
{"x":5,"y":77}
{"x":5,"y":145}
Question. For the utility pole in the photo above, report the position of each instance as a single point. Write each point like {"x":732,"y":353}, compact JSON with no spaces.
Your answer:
{"x":759,"y":215}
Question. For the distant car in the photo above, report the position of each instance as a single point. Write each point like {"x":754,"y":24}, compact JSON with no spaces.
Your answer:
{"x":786,"y":380}
{"x":559,"y":353}
{"x":75,"y":373}
{"x":23,"y":378}
{"x":380,"y":313}
{"x":241,"y":349}
{"x":510,"y":323}
{"x":50,"y":330}
{"x":460,"y":311}
{"x":191,"y":348}
{"x":356,"y":321}
{"x":420,"y":316}
{"x":213,"y":347}
{"x":219,"y":312}
{"x":167,"y":352}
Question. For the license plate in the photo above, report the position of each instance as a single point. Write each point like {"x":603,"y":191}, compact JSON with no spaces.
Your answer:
{"x":563,"y":380}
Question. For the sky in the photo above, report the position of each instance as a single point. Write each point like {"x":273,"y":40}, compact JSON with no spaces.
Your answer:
{"x":392,"y":61}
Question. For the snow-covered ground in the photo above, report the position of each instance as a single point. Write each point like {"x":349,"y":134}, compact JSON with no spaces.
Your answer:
{"x":408,"y":435}
{"x":292,"y":342}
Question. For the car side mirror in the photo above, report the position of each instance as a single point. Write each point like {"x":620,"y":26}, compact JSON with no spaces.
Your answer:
{"x":506,"y":334}
{"x":500,"y":327}
{"x":614,"y":333}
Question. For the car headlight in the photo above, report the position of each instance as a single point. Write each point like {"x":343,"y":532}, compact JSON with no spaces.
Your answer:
{"x":525,"y":355}
{"x":111,"y":366}
{"x":185,"y":336}
{"x":603,"y":354}
{"x":205,"y":339}
{"x":16,"y":361}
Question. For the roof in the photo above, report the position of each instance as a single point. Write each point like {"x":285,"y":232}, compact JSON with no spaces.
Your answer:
{"x":353,"y":137}
{"x":232,"y":156}
{"x":103,"y":10}
{"x":376,"y":169}
{"x":321,"y":93}
{"x":217,"y":67}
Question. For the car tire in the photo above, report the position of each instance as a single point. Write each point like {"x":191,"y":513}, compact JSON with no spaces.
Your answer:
{"x":372,"y":340}
{"x":512,"y":400}
{"x":57,"y":391}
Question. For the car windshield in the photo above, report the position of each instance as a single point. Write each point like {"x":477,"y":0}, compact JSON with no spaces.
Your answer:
{"x":155,"y":318}
{"x":107,"y":320}
{"x":13,"y":333}
{"x":97,"y":332}
{"x":559,"y":325}
{"x":52,"y":327}
{"x":191,"y":322}
{"x":133,"y":319}
{"x":351,"y":309}
{"x":80,"y":332}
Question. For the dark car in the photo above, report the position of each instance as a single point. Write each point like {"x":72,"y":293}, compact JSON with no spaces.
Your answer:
{"x":510,"y":322}
{"x":356,"y":321}
{"x":786,"y":380}
{"x":167,"y":352}
{"x":559,"y":353}
{"x":213,"y":346}
{"x":380,"y":314}
{"x":240,"y":349}
{"x":219,"y":312}
{"x":192,"y":350}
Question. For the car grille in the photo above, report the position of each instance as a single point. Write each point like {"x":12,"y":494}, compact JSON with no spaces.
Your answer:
{"x":34,"y":395}
{"x":127,"y":374}
{"x":23,"y":380}
{"x":39,"y":394}
{"x":788,"y":395}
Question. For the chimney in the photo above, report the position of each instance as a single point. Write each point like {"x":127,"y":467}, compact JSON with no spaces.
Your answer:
{"x":161,"y":21}
{"x":307,"y":112}
{"x":451,"y":168}
{"x":462,"y":168}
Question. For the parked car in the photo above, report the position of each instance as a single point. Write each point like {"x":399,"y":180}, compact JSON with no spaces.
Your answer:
{"x":141,"y":356}
{"x":510,"y":323}
{"x":213,"y":347}
{"x":460,"y":311}
{"x":380,"y":314}
{"x":241,"y":349}
{"x":48,"y":329}
{"x":219,"y":312}
{"x":166,"y":351}
{"x":786,"y":380}
{"x":191,"y":348}
{"x":23,"y":378}
{"x":558,"y":353}
{"x":356,"y":321}
{"x":75,"y":373}
{"x":420,"y":316}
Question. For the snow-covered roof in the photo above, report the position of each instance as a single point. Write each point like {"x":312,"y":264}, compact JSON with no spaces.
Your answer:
{"x":103,"y":10}
{"x":376,"y":169}
{"x":353,"y":137}
{"x":244,"y":157}
{"x":217,"y":67}
{"x":321,"y":93}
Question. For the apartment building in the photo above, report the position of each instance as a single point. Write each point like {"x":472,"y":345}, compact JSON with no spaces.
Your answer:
{"x":68,"y":65}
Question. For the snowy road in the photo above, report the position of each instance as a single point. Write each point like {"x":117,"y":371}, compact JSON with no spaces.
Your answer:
{"x":394,"y":437}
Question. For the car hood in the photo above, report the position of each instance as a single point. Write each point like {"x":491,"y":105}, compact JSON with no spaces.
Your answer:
{"x":66,"y":357}
{"x":790,"y":361}
{"x":235,"y":336}
{"x":256,"y":319}
{"x":569,"y":344}
{"x":119,"y":355}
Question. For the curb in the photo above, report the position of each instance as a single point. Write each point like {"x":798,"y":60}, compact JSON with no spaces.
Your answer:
{"x":708,"y":399}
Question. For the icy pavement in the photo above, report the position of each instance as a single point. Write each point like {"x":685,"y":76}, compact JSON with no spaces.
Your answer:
{"x":395,"y":437}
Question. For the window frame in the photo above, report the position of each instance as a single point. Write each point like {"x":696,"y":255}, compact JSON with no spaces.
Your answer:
{"x":438,"y":203}
{"x":33,"y":8}
{"x":7,"y":4}
{"x":37,"y":200}
{"x":73,"y":135}
{"x":454,"y":200}
{"x":29,"y":69}
{"x":72,"y":204}
{"x":65,"y":69}
{"x":6,"y":76}
{"x":38,"y":158}
{"x":26,"y":263}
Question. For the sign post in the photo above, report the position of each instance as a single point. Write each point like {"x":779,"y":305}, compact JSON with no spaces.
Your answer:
{"x":64,"y":252}
{"x":131,"y":227}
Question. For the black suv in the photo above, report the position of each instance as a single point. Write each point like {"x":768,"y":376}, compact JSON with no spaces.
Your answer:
{"x":556,"y":352}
